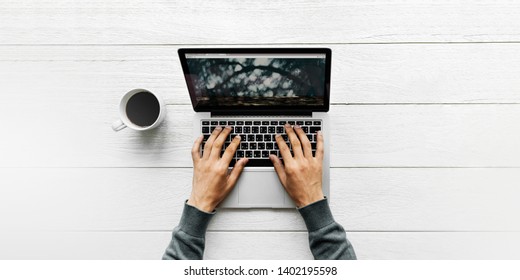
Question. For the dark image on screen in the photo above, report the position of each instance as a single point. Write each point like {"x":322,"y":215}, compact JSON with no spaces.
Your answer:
{"x":259,"y":81}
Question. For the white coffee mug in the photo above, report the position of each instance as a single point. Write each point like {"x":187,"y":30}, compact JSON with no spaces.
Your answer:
{"x":140,"y":109}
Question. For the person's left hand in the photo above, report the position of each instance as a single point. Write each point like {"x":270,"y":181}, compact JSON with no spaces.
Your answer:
{"x":211,"y":181}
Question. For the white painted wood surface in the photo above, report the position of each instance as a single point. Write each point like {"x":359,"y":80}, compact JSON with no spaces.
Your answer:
{"x":257,"y":22}
{"x":425,"y":147}
{"x":261,"y":245}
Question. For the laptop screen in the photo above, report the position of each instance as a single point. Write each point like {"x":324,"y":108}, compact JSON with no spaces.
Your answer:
{"x":257,"y":79}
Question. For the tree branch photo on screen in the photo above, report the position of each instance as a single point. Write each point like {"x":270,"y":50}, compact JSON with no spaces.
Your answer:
{"x":258,"y":81}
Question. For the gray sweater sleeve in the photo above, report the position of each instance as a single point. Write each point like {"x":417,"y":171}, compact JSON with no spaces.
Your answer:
{"x":188,"y":238}
{"x":327,"y":239}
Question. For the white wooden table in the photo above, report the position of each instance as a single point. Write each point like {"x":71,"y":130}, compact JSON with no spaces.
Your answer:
{"x":425,"y":115}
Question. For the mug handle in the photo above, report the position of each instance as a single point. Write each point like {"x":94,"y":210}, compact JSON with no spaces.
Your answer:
{"x":118,"y":125}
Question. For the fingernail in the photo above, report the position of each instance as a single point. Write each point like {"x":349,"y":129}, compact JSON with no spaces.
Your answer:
{"x":296,"y":126}
{"x":287,"y":125}
{"x":237,"y":137}
{"x":277,"y":135}
{"x":218,"y":127}
{"x":227,"y":126}
{"x":319,"y":132}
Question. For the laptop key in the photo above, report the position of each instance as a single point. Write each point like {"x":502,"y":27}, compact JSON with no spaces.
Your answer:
{"x":265,"y":154}
{"x":205,"y":129}
{"x":257,"y":154}
{"x":205,"y":122}
{"x":251,"y":137}
{"x":261,"y":146}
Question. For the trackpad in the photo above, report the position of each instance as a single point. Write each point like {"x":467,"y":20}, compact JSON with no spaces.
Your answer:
{"x":260,"y":189}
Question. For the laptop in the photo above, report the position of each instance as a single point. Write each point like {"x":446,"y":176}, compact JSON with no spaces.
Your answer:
{"x":256,"y":91}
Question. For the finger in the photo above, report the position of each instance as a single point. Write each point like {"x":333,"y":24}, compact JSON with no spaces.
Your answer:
{"x":319,"y":146}
{"x":230,"y":150}
{"x":195,"y":150}
{"x":284,"y":150}
{"x":306,"y":144}
{"x":235,"y":172}
{"x":209,"y":142}
{"x":216,"y":150}
{"x":279,"y":168}
{"x":295,"y":143}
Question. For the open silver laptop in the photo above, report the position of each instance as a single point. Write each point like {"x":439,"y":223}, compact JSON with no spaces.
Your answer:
{"x":256,"y":91}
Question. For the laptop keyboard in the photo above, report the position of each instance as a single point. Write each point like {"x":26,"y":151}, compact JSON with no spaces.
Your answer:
{"x":258,"y":137}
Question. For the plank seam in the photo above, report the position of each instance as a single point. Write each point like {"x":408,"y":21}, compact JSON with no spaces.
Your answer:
{"x":273,"y":44}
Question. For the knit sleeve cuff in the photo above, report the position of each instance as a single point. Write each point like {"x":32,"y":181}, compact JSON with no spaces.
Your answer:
{"x":194,"y":221}
{"x":317,"y":215}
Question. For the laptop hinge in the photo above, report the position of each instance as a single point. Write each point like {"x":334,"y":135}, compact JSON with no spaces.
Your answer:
{"x":261,"y":113}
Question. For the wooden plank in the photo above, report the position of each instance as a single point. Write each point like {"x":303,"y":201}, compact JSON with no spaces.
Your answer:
{"x":373,"y":245}
{"x":65,"y":131}
{"x":253,"y":22}
{"x":151,"y":199}
{"x":261,"y":245}
{"x":374,"y":73}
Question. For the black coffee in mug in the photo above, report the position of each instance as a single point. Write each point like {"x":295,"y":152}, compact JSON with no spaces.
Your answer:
{"x":143,"y":108}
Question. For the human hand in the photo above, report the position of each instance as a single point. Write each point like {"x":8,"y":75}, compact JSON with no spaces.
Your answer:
{"x":211,"y":181}
{"x":301,"y":175}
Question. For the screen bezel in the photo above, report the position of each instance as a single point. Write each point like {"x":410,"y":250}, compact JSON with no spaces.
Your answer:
{"x":257,"y":109}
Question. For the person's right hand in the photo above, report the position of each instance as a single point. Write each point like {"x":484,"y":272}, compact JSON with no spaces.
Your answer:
{"x":301,"y":175}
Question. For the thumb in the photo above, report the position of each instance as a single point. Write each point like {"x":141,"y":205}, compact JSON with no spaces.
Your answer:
{"x":236,"y":171}
{"x":279,"y":168}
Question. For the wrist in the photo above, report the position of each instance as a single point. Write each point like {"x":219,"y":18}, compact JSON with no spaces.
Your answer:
{"x":310,"y":199}
{"x":202,"y":205}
